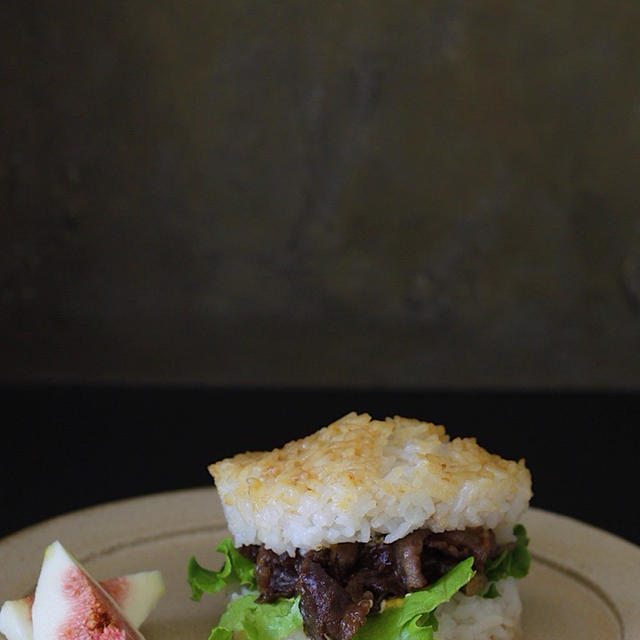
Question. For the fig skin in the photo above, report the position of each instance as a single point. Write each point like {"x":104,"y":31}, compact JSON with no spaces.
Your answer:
{"x":70,"y":605}
{"x":137,"y":594}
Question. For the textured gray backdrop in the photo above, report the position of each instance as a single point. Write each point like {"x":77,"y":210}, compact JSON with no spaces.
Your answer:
{"x":434,"y":193}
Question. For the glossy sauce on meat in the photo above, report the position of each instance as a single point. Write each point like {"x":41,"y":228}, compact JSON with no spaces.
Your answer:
{"x":340,"y":585}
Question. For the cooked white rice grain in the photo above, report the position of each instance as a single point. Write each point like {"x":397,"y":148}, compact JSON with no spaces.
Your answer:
{"x":360,"y":477}
{"x":477,"y":618}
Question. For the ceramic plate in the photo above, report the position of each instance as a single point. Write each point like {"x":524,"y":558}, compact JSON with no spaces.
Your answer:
{"x":583,"y":583}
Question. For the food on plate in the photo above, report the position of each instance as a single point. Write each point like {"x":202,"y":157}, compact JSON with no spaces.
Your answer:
{"x":15,"y":619}
{"x":370,"y":529}
{"x":69,"y":603}
{"x":136,"y":594}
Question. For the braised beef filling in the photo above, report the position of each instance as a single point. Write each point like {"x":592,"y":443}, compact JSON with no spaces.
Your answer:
{"x":340,"y":585}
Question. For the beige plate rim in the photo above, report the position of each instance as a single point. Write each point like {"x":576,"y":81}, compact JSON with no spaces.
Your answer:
{"x":605,"y":563}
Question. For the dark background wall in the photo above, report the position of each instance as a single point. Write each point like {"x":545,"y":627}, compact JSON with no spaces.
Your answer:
{"x":435,"y":193}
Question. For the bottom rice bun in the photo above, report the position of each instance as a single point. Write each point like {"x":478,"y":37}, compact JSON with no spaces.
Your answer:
{"x":370,"y":529}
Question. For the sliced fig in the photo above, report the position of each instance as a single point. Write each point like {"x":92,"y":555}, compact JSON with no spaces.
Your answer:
{"x":15,"y":619}
{"x":137,"y":594}
{"x":70,"y":605}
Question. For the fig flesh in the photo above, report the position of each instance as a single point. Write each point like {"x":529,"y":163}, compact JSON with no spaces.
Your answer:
{"x":137,"y":594}
{"x":15,"y":619}
{"x":70,"y":605}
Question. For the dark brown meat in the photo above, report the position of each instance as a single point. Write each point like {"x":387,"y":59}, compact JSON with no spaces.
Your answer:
{"x":340,"y":585}
{"x":250,"y":551}
{"x":342,"y":559}
{"x":408,"y":556}
{"x":326,"y":607}
{"x":376,"y":572}
{"x":473,"y":541}
{"x":276,"y":575}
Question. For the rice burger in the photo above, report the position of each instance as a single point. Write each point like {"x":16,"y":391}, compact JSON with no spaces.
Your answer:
{"x":372,"y":530}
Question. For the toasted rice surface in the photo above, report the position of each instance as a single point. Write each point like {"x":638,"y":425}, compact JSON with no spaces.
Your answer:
{"x":359,"y":478}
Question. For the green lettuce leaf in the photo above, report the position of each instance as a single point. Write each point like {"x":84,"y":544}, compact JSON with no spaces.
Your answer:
{"x":491,"y":592}
{"x":266,"y":621}
{"x":409,"y":618}
{"x":412,"y":617}
{"x":236,"y":570}
{"x":514,"y":561}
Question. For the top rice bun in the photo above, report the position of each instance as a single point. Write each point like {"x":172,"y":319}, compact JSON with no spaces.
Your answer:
{"x":360,"y":478}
